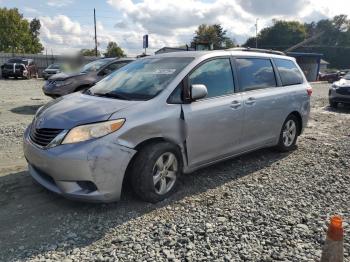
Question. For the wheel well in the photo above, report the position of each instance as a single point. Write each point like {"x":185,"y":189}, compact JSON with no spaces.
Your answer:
{"x":300,"y":120}
{"x":142,"y":145}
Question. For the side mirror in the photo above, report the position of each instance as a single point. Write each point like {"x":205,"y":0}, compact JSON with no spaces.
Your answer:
{"x":198,"y":91}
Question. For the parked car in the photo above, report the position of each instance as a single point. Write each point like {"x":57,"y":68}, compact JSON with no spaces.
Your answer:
{"x":329,"y":77}
{"x":340,"y":92}
{"x":65,"y":83}
{"x":162,"y":116}
{"x":52,"y":70}
{"x":19,"y":67}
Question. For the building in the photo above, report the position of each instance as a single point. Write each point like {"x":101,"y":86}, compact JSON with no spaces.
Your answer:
{"x":323,"y":65}
{"x":310,"y":63}
{"x":167,"y":49}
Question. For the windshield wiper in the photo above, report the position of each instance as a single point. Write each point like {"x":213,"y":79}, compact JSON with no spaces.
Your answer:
{"x":112,"y":95}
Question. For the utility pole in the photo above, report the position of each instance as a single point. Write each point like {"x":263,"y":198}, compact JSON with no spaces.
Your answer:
{"x":256,"y":33}
{"x":95,"y":32}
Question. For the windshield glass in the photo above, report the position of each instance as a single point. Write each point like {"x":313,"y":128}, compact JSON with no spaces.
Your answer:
{"x":142,"y":79}
{"x":347,"y":77}
{"x":54,"y":66}
{"x":94,"y":66}
{"x":18,"y":61}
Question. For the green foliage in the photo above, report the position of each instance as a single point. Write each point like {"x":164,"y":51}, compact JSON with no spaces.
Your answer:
{"x":17,"y":35}
{"x":113,"y":50}
{"x":334,"y":43}
{"x":281,"y":35}
{"x":212,"y":34}
{"x":89,"y":52}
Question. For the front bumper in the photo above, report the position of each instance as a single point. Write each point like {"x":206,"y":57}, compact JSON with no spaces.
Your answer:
{"x":16,"y":73}
{"x":91,"y":171}
{"x":338,"y":98}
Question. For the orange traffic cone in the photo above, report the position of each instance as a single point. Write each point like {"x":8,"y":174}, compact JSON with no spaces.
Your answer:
{"x":333,"y":247}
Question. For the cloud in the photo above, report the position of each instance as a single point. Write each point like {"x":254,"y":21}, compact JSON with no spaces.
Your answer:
{"x":272,"y":7}
{"x":31,"y":10}
{"x":59,"y":3}
{"x":173,"y":23}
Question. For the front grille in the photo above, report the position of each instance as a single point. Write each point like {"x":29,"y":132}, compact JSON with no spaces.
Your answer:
{"x":43,"y":136}
{"x":343,"y":90}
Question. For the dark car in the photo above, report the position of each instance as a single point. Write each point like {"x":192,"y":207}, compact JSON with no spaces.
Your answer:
{"x":52,"y":70}
{"x":19,"y":67}
{"x":329,"y":77}
{"x":63,"y":83}
{"x":340,"y":92}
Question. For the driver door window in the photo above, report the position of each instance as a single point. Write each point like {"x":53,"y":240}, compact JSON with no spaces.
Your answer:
{"x":216,"y":75}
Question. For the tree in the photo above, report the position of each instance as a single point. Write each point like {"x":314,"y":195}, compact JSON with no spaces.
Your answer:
{"x":280,"y":36}
{"x":213,"y":34}
{"x":113,"y":50}
{"x":89,"y":52}
{"x":17,"y":35}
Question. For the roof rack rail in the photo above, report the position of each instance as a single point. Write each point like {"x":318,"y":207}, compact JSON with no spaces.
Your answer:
{"x":258,"y":50}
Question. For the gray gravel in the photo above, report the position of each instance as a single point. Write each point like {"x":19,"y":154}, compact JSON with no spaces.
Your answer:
{"x":264,"y":206}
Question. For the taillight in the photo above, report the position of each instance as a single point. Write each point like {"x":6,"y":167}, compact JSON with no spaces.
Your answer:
{"x":309,"y":90}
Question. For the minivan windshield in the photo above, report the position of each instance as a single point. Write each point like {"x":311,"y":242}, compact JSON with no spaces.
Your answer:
{"x":142,"y":79}
{"x":94,"y":66}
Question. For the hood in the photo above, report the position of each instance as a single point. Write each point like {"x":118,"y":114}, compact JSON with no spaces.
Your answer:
{"x":78,"y":109}
{"x":342,"y":82}
{"x":64,"y":76}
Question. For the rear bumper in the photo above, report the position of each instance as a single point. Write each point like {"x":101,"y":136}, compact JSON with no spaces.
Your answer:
{"x":91,"y":171}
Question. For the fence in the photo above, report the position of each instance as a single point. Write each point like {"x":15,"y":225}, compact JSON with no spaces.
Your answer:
{"x":43,"y":61}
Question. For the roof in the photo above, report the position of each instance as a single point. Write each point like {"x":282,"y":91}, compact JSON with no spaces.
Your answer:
{"x":197,"y":54}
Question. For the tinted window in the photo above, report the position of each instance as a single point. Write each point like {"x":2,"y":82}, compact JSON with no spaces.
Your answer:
{"x":216,"y":75}
{"x":115,"y":66}
{"x":255,"y":73}
{"x":289,"y":73}
{"x":142,"y":79}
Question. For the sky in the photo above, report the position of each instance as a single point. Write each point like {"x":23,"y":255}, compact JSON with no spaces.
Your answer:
{"x":68,"y":25}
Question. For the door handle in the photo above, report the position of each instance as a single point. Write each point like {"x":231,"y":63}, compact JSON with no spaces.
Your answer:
{"x":250,"y":101}
{"x":235,"y":104}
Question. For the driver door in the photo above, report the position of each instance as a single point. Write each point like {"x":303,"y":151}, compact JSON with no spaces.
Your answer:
{"x":214,"y":124}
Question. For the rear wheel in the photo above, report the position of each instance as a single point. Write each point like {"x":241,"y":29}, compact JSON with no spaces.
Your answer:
{"x":289,"y":134}
{"x":155,"y":171}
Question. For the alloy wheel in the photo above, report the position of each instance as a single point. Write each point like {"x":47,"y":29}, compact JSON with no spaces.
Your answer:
{"x":289,"y":133}
{"x":165,"y":173}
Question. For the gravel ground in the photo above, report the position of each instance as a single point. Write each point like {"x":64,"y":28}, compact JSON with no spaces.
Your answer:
{"x":263,"y":206}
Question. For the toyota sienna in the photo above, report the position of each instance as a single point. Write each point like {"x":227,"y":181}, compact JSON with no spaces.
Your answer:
{"x":162,"y":116}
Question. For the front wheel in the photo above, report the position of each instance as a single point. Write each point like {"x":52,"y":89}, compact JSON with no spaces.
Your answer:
{"x":289,"y":134}
{"x":155,"y":171}
{"x":333,"y":104}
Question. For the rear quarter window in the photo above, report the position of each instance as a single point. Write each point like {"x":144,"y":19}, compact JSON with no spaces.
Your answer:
{"x":289,"y":72}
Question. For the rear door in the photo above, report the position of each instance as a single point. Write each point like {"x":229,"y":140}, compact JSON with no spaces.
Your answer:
{"x":263,"y":101}
{"x":214,"y":124}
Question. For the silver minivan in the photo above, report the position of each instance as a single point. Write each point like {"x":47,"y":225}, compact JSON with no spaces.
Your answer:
{"x":162,"y":116}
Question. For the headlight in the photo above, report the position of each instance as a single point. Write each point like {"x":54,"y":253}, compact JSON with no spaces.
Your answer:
{"x":87,"y":132}
{"x":63,"y":83}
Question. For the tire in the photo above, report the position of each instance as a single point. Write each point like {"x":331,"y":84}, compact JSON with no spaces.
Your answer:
{"x":147,"y":178}
{"x":289,"y":134}
{"x":333,"y":104}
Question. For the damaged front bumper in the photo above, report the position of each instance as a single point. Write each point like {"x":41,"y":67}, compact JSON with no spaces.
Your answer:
{"x":92,"y":171}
